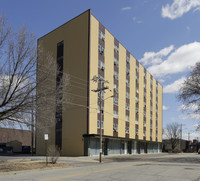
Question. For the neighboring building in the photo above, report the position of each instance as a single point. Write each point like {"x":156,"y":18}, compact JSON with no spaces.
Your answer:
{"x":194,"y":146}
{"x":15,"y":138}
{"x":132,"y":120}
{"x":16,"y":146}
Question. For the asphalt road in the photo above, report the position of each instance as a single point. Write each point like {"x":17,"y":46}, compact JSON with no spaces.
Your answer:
{"x":173,"y":167}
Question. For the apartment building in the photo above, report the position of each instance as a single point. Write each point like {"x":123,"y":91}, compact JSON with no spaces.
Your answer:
{"x":132,"y":103}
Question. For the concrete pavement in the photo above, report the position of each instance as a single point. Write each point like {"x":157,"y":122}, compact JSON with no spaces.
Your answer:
{"x":175,"y":167}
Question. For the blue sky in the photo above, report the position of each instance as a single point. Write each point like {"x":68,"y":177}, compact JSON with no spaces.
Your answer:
{"x":162,"y":35}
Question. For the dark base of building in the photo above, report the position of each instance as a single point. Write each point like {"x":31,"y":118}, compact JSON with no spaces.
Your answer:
{"x":116,"y":145}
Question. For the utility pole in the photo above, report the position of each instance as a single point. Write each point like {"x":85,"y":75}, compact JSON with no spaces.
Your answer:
{"x":100,"y":90}
{"x":181,"y":136}
{"x":188,"y":136}
{"x":32,"y":132}
{"x":32,"y":126}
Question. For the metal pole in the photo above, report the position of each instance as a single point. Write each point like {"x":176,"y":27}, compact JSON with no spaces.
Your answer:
{"x":32,"y":129}
{"x":181,"y":138}
{"x":46,"y":153}
{"x":100,"y":146}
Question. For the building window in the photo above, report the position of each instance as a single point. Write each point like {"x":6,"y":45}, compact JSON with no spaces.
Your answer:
{"x":127,"y":129}
{"x":116,"y":49}
{"x":144,"y":113}
{"x":137,"y":80}
{"x":151,"y":134}
{"x":101,"y":65}
{"x":136,"y":120}
{"x":115,"y":114}
{"x":101,"y":95}
{"x":115,"y":100}
{"x":144,"y":123}
{"x":101,"y":35}
{"x":115,"y":127}
{"x":127,"y":118}
{"x":127,"y":83}
{"x":136,"y":131}
{"x":151,"y":126}
{"x":127,"y":59}
{"x":145,"y":75}
{"x":116,"y":88}
{"x":116,"y":75}
{"x":137,"y":90}
{"x":102,"y":108}
{"x":127,"y":71}
{"x":98,"y":124}
{"x":137,"y":68}
{"x":116,"y":62}
{"x":127,"y":95}
{"x":101,"y":50}
{"x":136,"y":100}
{"x":100,"y":77}
{"x":144,"y":133}
{"x":136,"y":110}
{"x":127,"y":107}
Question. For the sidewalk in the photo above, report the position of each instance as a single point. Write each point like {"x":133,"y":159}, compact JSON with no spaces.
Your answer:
{"x":83,"y":160}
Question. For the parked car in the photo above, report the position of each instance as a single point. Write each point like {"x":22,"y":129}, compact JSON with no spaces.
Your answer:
{"x":199,"y":151}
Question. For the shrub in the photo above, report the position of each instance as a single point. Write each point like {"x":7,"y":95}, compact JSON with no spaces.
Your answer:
{"x":53,"y":153}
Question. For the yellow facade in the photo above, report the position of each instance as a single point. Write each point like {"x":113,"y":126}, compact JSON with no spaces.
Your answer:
{"x":81,"y":58}
{"x":108,"y":103}
{"x":74,"y":34}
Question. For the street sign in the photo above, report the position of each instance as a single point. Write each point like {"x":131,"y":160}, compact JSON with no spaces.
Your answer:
{"x":46,"y":136}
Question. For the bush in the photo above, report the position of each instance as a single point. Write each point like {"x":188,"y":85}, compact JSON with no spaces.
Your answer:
{"x":177,"y":151}
{"x":53,"y":153}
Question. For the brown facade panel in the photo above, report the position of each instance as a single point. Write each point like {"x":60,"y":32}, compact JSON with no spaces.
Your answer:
{"x":115,"y":134}
{"x":115,"y":120}
{"x":98,"y":131}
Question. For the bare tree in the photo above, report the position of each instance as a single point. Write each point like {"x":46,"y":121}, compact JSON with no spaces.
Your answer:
{"x":189,"y":92}
{"x":172,"y":132}
{"x":18,"y":80}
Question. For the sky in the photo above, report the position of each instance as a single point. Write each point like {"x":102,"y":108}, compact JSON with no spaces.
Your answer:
{"x":162,"y":35}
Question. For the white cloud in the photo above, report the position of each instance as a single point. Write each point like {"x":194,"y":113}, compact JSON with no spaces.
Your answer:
{"x":188,"y":107}
{"x":152,"y":58}
{"x":179,"y":7}
{"x":197,"y":9}
{"x":126,"y":8}
{"x":174,"y":87}
{"x":178,"y":61}
{"x":194,"y":116}
{"x":136,"y":20}
{"x":161,"y":80}
{"x":165,"y":108}
{"x":188,"y":28}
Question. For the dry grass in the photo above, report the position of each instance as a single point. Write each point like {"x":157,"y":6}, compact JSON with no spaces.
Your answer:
{"x":28,"y":165}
